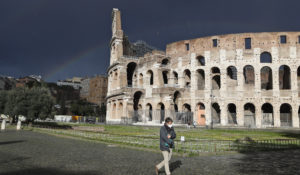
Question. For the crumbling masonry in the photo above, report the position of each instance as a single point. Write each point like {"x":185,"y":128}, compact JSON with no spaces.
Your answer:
{"x":247,"y":80}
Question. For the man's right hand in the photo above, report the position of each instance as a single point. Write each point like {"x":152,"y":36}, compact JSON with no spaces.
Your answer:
{"x":169,"y":136}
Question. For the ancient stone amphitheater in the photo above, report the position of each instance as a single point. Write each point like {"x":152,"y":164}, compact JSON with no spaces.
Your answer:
{"x":237,"y":80}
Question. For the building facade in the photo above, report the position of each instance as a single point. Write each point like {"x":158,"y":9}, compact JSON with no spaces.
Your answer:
{"x":94,"y":89}
{"x":245,"y":80}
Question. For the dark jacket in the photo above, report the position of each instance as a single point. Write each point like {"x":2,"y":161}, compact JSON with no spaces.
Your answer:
{"x":166,"y":143}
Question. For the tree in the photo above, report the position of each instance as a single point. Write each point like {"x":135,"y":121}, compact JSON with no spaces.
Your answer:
{"x":32,"y":103}
{"x":3,"y":99}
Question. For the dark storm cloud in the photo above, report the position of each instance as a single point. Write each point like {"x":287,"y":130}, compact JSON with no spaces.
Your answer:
{"x":65,"y":38}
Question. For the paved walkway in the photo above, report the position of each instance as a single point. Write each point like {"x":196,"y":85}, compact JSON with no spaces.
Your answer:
{"x":33,"y":153}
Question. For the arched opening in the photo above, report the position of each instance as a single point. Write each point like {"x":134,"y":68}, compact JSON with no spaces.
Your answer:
{"x":165,"y":62}
{"x":141,"y":80}
{"x":267,"y":115}
{"x":249,"y":115}
{"x":284,"y":77}
{"x":231,"y":76}
{"x":187,"y":78}
{"x":200,"y":79}
{"x":285,"y":115}
{"x":114,"y":111}
{"x":216,"y":113}
{"x":176,"y":97}
{"x":231,"y":113}
{"x":201,"y":60}
{"x":120,"y":110}
{"x":266,"y":78}
{"x":165,"y":76}
{"x":187,"y":116}
{"x":249,"y":75}
{"x":175,"y":74}
{"x":130,"y":71}
{"x":150,"y":77}
{"x":201,"y":120}
{"x":216,"y":78}
{"x":149,"y":112}
{"x":161,"y":108}
{"x":137,"y":107}
{"x":265,"y":57}
{"x":216,"y":82}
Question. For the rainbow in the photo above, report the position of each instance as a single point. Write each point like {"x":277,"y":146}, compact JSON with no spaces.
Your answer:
{"x":82,"y":55}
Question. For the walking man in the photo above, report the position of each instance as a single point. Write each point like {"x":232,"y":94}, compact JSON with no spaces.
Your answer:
{"x":167,"y":136}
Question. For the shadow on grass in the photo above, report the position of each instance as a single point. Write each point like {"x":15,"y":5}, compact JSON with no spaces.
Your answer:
{"x":51,"y":125}
{"x":11,"y":142}
{"x":49,"y":171}
{"x":248,"y":145}
{"x":270,"y":162}
{"x":175,"y":165}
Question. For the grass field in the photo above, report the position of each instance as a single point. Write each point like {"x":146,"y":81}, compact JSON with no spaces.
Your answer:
{"x":193,"y":133}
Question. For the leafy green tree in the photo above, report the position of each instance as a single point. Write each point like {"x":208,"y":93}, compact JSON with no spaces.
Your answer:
{"x":32,"y":103}
{"x":3,"y":99}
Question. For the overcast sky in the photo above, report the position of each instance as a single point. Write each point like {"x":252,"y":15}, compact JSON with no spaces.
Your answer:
{"x":59,"y":39}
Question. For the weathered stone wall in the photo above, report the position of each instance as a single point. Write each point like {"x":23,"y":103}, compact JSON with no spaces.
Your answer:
{"x":230,"y":75}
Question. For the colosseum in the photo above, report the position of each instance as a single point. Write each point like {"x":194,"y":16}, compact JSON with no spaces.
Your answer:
{"x":233,"y":80}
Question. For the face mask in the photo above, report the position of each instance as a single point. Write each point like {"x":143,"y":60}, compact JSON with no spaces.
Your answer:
{"x":170,"y":126}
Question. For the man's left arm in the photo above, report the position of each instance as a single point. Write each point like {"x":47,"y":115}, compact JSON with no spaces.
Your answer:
{"x":173,"y":134}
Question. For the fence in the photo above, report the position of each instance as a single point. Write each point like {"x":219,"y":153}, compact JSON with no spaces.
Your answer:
{"x":286,"y":119}
{"x":179,"y":117}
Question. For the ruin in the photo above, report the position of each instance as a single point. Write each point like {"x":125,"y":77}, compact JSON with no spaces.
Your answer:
{"x":237,"y":80}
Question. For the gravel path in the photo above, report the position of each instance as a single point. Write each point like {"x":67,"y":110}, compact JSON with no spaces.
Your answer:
{"x":34,"y":153}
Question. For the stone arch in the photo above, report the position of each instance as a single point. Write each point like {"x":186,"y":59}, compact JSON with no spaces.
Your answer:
{"x":249,"y":75}
{"x":201,"y":60}
{"x":136,"y":99}
{"x":286,"y":115}
{"x":175,"y":75}
{"x":176,"y":97}
{"x":284,"y":77}
{"x":149,"y":112}
{"x":137,"y":107}
{"x":187,"y":78}
{"x":266,"y":78}
{"x":114,"y":110}
{"x":120,"y":110}
{"x":231,"y":109}
{"x":216,"y":113}
{"x":200,"y":76}
{"x":249,"y":115}
{"x":150,"y":77}
{"x":231,"y":76}
{"x":161,"y":108}
{"x":267,"y":115}
{"x":266,"y":57}
{"x":201,"y":120}
{"x":130,"y":71}
{"x":216,"y":78}
{"x":165,"y":62}
{"x":165,"y":75}
{"x":187,"y":114}
{"x":141,"y":79}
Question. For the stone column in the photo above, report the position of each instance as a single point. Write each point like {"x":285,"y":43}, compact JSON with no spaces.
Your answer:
{"x":258,"y":115}
{"x":240,"y":114}
{"x":295,"y":116}
{"x":224,"y":116}
{"x":223,"y":89}
{"x":276,"y":115}
{"x":240,"y":80}
{"x":208,"y":114}
{"x":275,"y":76}
{"x":257,"y":82}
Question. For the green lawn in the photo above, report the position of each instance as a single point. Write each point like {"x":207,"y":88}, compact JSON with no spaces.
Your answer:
{"x":196,"y":133}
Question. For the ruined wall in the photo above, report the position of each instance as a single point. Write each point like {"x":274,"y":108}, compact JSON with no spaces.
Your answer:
{"x":229,"y":78}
